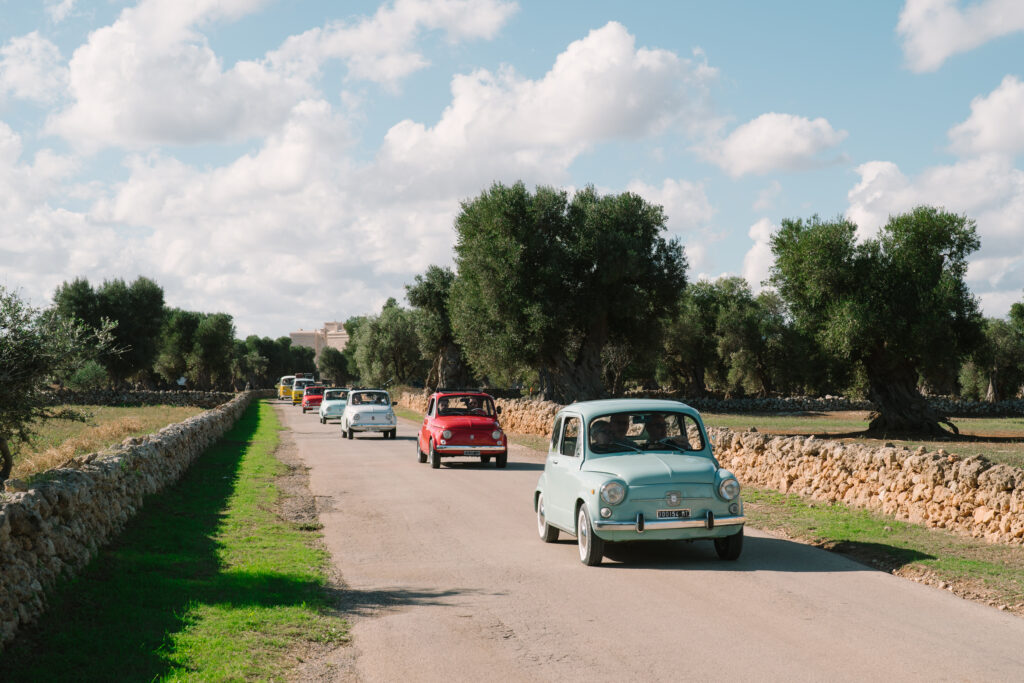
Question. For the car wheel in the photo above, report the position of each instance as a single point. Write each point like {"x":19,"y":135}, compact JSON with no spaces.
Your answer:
{"x":591,"y":547}
{"x":349,"y":435}
{"x":548,"y":533}
{"x":303,"y":410}
{"x":730,"y":547}
{"x":485,"y":459}
{"x":501,"y":460}
{"x":435,"y":458}
{"x":323,"y":421}
{"x":420,"y":455}
{"x":394,"y":433}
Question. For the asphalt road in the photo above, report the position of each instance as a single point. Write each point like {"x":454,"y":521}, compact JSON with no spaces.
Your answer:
{"x":447,"y":580}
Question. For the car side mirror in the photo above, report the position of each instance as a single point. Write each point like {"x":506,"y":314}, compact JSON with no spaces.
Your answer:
{"x":394,"y":403}
{"x":497,"y":410}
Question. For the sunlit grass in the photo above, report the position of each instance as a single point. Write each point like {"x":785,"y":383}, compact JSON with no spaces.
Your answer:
{"x":207,"y":583}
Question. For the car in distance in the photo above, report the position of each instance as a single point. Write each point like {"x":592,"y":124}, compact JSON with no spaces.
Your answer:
{"x":461,"y":424}
{"x":333,"y":404}
{"x":298,"y":386}
{"x":312,"y":395}
{"x":635,"y":470}
{"x":369,"y":410}
{"x":284,"y":387}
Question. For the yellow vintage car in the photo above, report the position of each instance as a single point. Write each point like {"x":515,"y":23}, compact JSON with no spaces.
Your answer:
{"x":298,"y":385}
{"x":284,"y":387}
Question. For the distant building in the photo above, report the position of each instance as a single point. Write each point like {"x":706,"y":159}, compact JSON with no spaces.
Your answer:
{"x":332,"y":334}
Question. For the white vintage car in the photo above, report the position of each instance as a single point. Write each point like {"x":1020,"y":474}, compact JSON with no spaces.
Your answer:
{"x":333,"y":404}
{"x":369,"y":410}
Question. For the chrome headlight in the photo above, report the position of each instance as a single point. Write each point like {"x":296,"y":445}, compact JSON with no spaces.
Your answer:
{"x":729,"y":489}
{"x":356,"y":417}
{"x":613,"y":492}
{"x":496,"y":434}
{"x":446,"y":434}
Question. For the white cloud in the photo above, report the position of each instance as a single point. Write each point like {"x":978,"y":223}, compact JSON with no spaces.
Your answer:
{"x":996,"y":123}
{"x":934,"y":30}
{"x":502,"y":126}
{"x":381,"y":48}
{"x":774,"y":141}
{"x":758,"y":260}
{"x":151,"y":78}
{"x":766,"y":197}
{"x":31,"y":68}
{"x":987,"y":189}
{"x":59,"y":9}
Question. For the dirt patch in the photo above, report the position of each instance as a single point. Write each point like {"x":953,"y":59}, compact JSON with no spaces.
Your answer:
{"x":321,"y":662}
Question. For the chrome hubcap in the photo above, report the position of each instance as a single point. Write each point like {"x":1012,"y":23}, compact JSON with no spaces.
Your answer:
{"x":581,"y":534}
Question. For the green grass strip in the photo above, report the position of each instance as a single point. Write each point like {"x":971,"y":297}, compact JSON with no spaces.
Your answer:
{"x":988,"y":572}
{"x":206,"y":583}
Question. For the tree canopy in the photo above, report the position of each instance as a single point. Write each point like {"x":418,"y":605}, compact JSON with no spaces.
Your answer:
{"x":895,"y":304}
{"x":429,"y":296}
{"x":547,"y":282}
{"x":35,"y":347}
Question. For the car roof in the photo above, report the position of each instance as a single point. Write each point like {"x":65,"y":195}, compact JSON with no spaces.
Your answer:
{"x":589,"y":409}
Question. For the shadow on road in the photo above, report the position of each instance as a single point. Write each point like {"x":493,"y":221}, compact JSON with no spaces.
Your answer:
{"x":759,"y":554}
{"x":366,"y":603}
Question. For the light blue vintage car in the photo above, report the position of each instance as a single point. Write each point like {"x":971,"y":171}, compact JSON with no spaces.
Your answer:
{"x":635,"y":470}
{"x":333,"y":404}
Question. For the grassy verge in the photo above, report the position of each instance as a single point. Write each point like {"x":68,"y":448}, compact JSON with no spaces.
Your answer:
{"x":59,"y":440}
{"x":1000,"y":440}
{"x":974,"y":569}
{"x":207,"y":583}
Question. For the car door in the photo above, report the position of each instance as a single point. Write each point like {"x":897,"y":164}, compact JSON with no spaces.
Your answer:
{"x":562,"y":467}
{"x":424,"y":434}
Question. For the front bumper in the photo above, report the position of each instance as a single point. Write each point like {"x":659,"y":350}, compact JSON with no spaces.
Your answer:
{"x":459,"y":450}
{"x":373,"y":426}
{"x":641,"y":524}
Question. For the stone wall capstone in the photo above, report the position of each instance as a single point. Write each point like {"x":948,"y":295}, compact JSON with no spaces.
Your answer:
{"x":50,"y":529}
{"x":966,"y":495}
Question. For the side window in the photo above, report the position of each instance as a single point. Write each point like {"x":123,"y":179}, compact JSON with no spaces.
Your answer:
{"x":571,"y":437}
{"x":430,"y":407}
{"x":555,"y":429}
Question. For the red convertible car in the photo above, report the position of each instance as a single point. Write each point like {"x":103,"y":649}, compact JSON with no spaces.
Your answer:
{"x":461,"y":424}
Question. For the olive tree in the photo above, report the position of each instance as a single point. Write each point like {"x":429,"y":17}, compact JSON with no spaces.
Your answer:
{"x":546,"y":282}
{"x":429,"y":297}
{"x":35,"y":347}
{"x":895,"y":304}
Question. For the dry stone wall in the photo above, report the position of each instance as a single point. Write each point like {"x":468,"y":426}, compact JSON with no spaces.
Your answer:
{"x":52,"y":528}
{"x":967,"y":495}
{"x":109,"y":397}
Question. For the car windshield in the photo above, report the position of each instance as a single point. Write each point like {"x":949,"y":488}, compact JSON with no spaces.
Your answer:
{"x":287,"y":381}
{"x":468,"y":404}
{"x":314,"y":391}
{"x":369,"y":398}
{"x":335,"y":395}
{"x":638,"y":432}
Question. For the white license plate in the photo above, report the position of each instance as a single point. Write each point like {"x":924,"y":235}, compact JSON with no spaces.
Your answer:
{"x":673,"y":514}
{"x":471,"y":452}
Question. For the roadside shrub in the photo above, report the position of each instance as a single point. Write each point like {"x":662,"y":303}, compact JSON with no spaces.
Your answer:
{"x":91,"y":375}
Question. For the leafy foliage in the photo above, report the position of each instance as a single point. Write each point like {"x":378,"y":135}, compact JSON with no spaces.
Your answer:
{"x":429,"y":295}
{"x":36,"y":347}
{"x":546,"y":282}
{"x":387,"y":347}
{"x":333,"y":365}
{"x":894,"y":304}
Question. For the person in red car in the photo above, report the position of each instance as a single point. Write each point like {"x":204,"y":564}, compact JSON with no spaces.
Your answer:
{"x":312,"y":396}
{"x":461,"y":424}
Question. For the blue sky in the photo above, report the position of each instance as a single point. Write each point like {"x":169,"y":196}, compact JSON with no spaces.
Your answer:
{"x":296,"y":162}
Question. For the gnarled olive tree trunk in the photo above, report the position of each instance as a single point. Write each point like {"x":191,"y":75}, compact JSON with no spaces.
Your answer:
{"x":901,"y":407}
{"x":448,"y":369}
{"x":6,"y":462}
